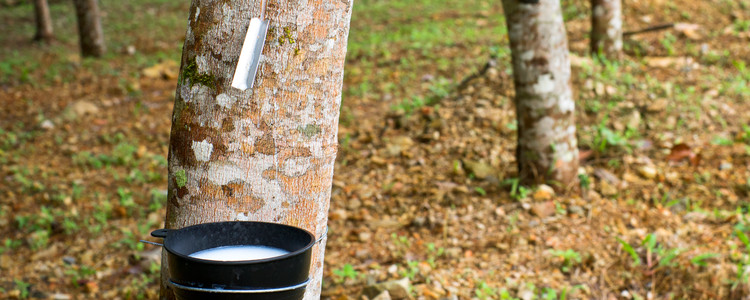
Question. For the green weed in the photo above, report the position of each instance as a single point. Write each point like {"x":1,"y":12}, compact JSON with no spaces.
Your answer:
{"x":411,"y":270}
{"x":485,"y":291}
{"x":23,"y":287}
{"x":433,"y":253}
{"x":517,"y":191}
{"x":347,"y":271}
{"x":700,"y":259}
{"x":570,"y":258}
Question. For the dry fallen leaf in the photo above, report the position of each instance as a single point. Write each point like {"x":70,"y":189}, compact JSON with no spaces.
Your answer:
{"x":166,"y":69}
{"x":584,"y":154}
{"x":680,"y":152}
{"x":683,"y":151}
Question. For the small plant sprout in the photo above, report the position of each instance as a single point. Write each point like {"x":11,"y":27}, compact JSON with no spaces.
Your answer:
{"x":484,"y":291}
{"x":700,"y":259}
{"x":347,"y":271}
{"x":433,"y":253}
{"x":569,"y":258}
{"x":630,"y":250}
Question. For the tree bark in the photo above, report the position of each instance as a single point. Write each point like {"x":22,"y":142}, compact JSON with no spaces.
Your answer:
{"x":547,"y":148}
{"x":606,"y":28}
{"x":43,"y":21}
{"x":267,"y":153}
{"x":90,"y":28}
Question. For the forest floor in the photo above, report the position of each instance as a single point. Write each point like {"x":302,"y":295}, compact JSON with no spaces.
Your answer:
{"x":425,"y":187}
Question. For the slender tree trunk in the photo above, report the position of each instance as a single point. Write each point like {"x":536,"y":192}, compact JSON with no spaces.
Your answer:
{"x":267,"y":153}
{"x":547,"y":147}
{"x":90,"y":28}
{"x":606,"y":28}
{"x":43,"y":21}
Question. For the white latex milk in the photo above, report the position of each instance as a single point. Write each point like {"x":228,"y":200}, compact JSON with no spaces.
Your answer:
{"x":237,"y":253}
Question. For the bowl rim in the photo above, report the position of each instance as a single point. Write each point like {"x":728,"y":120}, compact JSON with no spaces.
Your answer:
{"x":242,"y":291}
{"x":307,"y":247}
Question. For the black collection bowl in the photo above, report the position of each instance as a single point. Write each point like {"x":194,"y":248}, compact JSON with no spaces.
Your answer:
{"x":280,"y":277}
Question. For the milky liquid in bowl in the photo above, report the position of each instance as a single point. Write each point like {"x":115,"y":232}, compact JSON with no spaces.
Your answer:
{"x":239,"y":253}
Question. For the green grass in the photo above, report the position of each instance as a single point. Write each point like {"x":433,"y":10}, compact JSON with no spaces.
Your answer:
{"x":434,"y":36}
{"x":151,"y":20}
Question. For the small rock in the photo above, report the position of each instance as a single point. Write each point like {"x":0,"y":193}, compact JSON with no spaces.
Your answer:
{"x":130,"y":50}
{"x":60,"y":296}
{"x":354,"y":203}
{"x":392,"y":151}
{"x":634,"y":120}
{"x":47,"y":124}
{"x":91,"y":287}
{"x":499,"y":211}
{"x":672,"y":177}
{"x":576,"y":210}
{"x":364,"y":236}
{"x":378,"y":160}
{"x":82,"y":108}
{"x":419,"y":221}
{"x":69,"y":260}
{"x":647,"y":171}
{"x":605,"y":175}
{"x":544,"y":209}
{"x":479,"y":169}
{"x":658,"y":105}
{"x":725,"y":166}
{"x":393,"y":269}
{"x":398,"y":289}
{"x":338,"y":214}
{"x":166,"y":69}
{"x":383,"y":296}
{"x":630,"y":177}
{"x":543,"y":192}
{"x":453,"y":252}
{"x":526,"y":294}
{"x":362,"y":254}
{"x":607,"y":189}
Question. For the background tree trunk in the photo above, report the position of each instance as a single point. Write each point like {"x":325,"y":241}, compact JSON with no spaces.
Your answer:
{"x":606,"y":28}
{"x":43,"y":21}
{"x":547,"y":147}
{"x":90,"y":28}
{"x":267,"y":153}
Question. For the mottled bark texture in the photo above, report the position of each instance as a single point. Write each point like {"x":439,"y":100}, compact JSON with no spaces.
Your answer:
{"x":606,"y":28}
{"x":547,"y":147}
{"x":43,"y":21}
{"x":90,"y":28}
{"x":267,"y":153}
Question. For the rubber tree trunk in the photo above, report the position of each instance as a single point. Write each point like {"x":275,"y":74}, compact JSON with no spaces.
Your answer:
{"x":43,"y":21}
{"x":547,"y":148}
{"x":267,"y":153}
{"x":90,"y":28}
{"x":606,"y":28}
